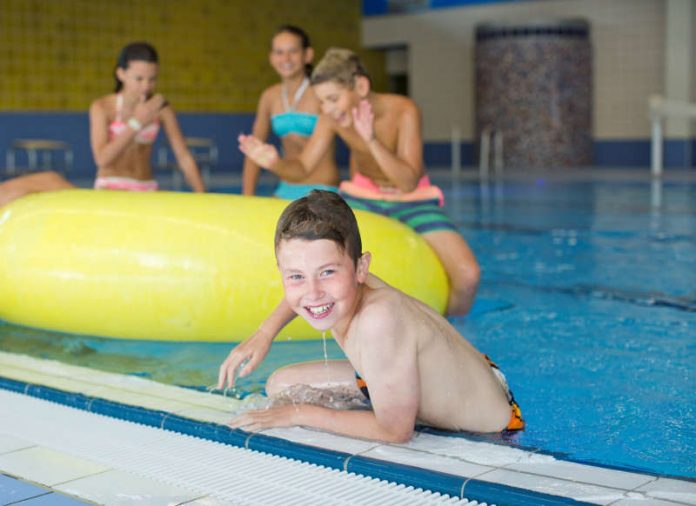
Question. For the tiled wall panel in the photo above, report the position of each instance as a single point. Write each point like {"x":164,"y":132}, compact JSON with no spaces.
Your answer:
{"x":59,"y":55}
{"x":628,"y":57}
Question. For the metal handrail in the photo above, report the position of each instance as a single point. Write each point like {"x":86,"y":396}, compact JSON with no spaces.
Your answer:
{"x":34,"y":149}
{"x":661,"y":108}
{"x":204,"y":152}
{"x":490,"y":135}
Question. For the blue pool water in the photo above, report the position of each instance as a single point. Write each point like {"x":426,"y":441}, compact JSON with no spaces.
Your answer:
{"x":587,"y":303}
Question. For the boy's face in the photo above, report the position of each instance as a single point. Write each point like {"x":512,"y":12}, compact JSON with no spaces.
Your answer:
{"x":337,"y":101}
{"x":320,"y":280}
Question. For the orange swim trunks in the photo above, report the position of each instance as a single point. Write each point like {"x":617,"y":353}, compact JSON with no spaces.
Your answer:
{"x":516,"y":421}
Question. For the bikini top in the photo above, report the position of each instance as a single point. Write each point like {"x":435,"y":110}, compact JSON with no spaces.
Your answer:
{"x":145,"y":136}
{"x":291,"y":121}
{"x":300,"y":123}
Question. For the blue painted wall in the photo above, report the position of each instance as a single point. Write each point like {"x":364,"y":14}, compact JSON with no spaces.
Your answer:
{"x":73,"y":128}
{"x":380,"y":7}
{"x":224,"y":128}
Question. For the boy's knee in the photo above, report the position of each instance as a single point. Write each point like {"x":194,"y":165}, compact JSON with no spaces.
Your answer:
{"x":273,"y":384}
{"x":467,"y":276}
{"x":280,"y":380}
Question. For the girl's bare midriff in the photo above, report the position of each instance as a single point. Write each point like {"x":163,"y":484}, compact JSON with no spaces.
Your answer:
{"x":134,"y":162}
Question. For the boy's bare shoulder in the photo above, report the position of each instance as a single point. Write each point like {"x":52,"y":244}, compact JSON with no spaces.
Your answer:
{"x":382,"y":306}
{"x":400,"y":103}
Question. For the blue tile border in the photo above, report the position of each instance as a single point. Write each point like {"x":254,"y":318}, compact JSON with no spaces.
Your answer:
{"x":17,"y":491}
{"x":53,"y":499}
{"x":678,"y":153}
{"x":382,"y":7}
{"x":436,"y":481}
{"x":73,"y":128}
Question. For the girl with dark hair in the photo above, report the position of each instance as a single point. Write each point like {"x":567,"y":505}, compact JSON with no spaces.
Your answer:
{"x":290,"y":109}
{"x":125,"y":124}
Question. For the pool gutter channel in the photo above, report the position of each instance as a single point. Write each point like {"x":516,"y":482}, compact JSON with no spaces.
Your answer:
{"x":455,"y":486}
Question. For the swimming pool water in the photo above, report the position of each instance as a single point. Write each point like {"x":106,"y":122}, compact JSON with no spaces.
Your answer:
{"x":587,"y":303}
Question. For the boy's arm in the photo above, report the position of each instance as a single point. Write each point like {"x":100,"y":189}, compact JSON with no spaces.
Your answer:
{"x":253,"y":350}
{"x":390,"y":368}
{"x":356,"y":423}
{"x":291,"y":170}
{"x":405,"y":166}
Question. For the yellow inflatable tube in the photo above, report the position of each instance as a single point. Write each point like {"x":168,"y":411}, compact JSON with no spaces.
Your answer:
{"x":171,"y":266}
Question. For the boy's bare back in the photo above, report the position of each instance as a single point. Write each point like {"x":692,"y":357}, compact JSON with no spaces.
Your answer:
{"x":408,"y":353}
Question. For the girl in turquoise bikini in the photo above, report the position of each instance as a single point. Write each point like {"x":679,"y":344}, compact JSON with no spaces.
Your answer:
{"x":290,"y":109}
{"x":383,"y":133}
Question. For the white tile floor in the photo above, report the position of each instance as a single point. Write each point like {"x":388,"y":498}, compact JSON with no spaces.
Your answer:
{"x":458,"y":456}
{"x":119,"y":487}
{"x":46,"y":466}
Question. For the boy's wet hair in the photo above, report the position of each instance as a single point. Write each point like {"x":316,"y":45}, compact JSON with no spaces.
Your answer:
{"x":339,"y":65}
{"x":135,"y":51}
{"x":321,"y":215}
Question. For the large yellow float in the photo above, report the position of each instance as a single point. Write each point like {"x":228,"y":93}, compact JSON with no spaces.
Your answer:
{"x":170,"y":266}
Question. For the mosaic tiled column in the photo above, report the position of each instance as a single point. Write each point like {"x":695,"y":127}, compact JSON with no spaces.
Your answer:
{"x":534,"y":85}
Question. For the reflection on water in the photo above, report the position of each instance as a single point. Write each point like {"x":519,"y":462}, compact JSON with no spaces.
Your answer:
{"x":190,"y":364}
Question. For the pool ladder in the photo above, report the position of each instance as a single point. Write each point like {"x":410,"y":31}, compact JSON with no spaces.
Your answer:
{"x":490,"y":137}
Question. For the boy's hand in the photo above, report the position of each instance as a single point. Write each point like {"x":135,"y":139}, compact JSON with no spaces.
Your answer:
{"x":363,"y":120}
{"x":252,"y":351}
{"x":252,"y":421}
{"x":264,"y":155}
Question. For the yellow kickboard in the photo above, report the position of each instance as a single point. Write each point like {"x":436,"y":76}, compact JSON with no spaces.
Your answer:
{"x":171,"y":266}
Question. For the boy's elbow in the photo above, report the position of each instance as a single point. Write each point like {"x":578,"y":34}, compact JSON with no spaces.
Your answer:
{"x":400,"y":435}
{"x":401,"y":438}
{"x":410,"y":185}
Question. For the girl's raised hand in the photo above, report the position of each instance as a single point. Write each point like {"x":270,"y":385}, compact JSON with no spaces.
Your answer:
{"x":263,"y":154}
{"x":147,"y":109}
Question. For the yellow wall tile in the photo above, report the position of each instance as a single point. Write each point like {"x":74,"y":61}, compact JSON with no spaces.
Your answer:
{"x":213,"y":53}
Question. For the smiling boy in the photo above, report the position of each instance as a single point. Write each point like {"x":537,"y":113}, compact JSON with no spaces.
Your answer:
{"x":410,"y":362}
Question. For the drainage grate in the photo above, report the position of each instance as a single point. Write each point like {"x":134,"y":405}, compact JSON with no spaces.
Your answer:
{"x":232,"y":474}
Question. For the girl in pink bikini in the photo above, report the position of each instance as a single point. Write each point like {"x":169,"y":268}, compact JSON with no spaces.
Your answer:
{"x":124,"y":125}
